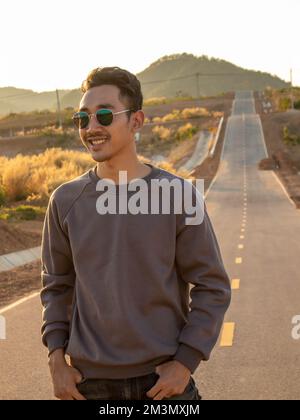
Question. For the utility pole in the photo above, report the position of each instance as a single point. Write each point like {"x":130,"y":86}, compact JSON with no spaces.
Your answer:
{"x":58,"y":110}
{"x":198,"y":86}
{"x":292,"y":97}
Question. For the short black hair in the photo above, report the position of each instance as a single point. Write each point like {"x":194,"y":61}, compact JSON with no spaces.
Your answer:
{"x":129,"y":85}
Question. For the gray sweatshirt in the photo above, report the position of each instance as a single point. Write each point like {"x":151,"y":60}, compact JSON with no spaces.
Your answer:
{"x":116,"y":287}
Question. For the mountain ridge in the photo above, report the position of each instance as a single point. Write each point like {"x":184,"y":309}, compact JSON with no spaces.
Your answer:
{"x":171,"y":75}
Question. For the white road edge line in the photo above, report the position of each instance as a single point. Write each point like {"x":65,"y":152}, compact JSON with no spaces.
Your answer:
{"x":262,"y":135}
{"x":284,"y":189}
{"x":18,"y":302}
{"x":221,"y":157}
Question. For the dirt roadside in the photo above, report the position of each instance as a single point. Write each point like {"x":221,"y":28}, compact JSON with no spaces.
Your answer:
{"x":19,"y":282}
{"x":19,"y":236}
{"x":283,"y":159}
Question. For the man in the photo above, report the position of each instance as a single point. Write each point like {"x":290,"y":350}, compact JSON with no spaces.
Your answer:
{"x":116,"y":284}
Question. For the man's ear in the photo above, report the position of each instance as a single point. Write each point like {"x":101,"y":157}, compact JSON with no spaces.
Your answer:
{"x":138,"y":120}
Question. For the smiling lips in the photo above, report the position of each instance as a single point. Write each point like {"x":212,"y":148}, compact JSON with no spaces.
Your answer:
{"x":98,"y":140}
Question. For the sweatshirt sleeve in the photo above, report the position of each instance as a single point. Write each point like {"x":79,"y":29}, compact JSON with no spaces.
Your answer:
{"x":199,"y":263}
{"x":58,"y":277}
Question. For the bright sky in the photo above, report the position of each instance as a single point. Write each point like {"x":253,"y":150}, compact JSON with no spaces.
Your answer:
{"x":54,"y":44}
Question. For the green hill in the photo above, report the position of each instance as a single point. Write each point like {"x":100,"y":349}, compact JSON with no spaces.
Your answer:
{"x":24,"y":100}
{"x":215,"y":76}
{"x":170,"y":76}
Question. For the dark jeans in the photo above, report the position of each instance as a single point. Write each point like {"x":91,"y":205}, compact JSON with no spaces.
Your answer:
{"x":130,"y":389}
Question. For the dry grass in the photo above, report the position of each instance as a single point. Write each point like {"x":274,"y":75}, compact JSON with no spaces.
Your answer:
{"x":185,"y":114}
{"x":162,"y":133}
{"x":35,"y":177}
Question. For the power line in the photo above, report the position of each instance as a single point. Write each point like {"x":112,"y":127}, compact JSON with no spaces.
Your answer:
{"x":26,"y":94}
{"x":195,"y":75}
{"x":198,"y":74}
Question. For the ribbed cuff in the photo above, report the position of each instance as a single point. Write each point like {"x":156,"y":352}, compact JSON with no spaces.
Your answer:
{"x":189,"y":357}
{"x":57,"y":339}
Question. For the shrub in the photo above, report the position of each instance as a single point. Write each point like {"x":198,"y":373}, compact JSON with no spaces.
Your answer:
{"x":185,"y":114}
{"x":284,"y":104}
{"x":14,"y":178}
{"x":24,"y":177}
{"x":186,"y":131}
{"x":161,"y":133}
{"x":170,"y":168}
{"x":290,"y":139}
{"x":22,"y":212}
{"x":195,"y":113}
{"x":297,"y":104}
{"x":155,"y":101}
{"x":2,"y":197}
{"x":175,"y":115}
{"x":26,"y":212}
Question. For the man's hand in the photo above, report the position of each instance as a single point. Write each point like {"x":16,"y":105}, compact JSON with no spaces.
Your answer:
{"x":64,"y":377}
{"x":173,"y":379}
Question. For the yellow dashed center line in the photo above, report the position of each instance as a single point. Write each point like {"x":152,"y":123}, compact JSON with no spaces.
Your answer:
{"x":229,"y":327}
{"x":227,"y":334}
{"x":235,"y":284}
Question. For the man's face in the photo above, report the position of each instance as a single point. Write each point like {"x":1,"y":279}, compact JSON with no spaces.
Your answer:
{"x":118,"y":135}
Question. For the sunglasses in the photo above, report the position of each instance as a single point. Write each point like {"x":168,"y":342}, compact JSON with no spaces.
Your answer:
{"x":104,"y":117}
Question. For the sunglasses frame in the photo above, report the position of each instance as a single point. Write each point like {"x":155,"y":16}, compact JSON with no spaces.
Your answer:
{"x":95,"y":115}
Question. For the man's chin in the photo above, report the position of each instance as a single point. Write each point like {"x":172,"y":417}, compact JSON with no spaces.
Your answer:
{"x":97,"y":157}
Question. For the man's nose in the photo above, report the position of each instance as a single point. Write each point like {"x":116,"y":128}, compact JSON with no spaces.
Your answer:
{"x":93,"y":123}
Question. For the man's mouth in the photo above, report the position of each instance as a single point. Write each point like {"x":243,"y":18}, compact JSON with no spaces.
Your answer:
{"x":97,"y":140}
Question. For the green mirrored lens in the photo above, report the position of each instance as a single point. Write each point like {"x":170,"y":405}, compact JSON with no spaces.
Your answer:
{"x":81,"y":119}
{"x":104,"y":116}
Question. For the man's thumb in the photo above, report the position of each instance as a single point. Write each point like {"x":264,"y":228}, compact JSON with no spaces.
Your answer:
{"x":78,"y":376}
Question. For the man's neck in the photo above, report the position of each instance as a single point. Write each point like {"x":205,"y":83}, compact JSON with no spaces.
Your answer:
{"x":133,"y":167}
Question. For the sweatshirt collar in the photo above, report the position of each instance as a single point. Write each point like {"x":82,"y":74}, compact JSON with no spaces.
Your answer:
{"x":152,"y":175}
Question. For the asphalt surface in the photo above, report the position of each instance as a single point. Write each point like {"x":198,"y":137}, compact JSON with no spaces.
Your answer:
{"x":23,"y":360}
{"x":263,"y":361}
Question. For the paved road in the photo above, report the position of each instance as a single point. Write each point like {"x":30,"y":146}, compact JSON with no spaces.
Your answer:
{"x":23,"y":361}
{"x":264,"y":361}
